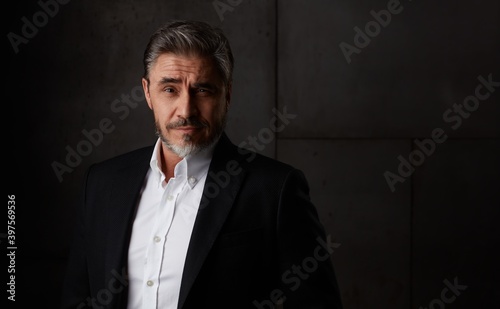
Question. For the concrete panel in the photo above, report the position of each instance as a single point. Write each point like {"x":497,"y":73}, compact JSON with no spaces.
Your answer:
{"x":251,"y":28}
{"x":369,"y":221}
{"x":401,"y":82}
{"x":455,"y":226}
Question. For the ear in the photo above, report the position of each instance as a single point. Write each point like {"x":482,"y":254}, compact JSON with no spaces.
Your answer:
{"x":145,"y":87}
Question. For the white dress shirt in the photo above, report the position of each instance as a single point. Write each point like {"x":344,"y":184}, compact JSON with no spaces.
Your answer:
{"x":162,"y":230}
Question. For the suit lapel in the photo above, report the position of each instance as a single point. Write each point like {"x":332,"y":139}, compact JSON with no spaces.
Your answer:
{"x":217,"y":200}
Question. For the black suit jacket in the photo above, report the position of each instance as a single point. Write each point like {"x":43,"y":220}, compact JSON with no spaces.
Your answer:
{"x":257,"y":237}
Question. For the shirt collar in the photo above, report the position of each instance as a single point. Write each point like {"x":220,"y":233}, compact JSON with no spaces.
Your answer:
{"x":190,"y":169}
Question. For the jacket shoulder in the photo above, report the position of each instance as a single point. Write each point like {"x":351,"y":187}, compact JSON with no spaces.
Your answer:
{"x":254,"y":161}
{"x":136,"y":157}
{"x":251,"y":160}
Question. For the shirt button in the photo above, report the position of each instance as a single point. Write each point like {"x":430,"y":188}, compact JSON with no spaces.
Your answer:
{"x":149,"y":283}
{"x":191,"y":180}
{"x":157,"y":238}
{"x":170,"y":197}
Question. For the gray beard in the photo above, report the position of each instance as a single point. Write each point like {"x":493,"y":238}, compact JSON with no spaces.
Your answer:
{"x":191,"y":148}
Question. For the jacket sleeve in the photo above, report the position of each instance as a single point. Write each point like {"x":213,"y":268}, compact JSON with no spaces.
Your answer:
{"x":308,"y":278}
{"x":75,"y":290}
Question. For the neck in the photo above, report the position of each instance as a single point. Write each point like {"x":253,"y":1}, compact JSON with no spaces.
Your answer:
{"x":168,"y":162}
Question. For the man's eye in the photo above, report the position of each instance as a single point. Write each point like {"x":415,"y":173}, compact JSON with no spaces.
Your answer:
{"x":169,"y":90}
{"x":203,"y":91}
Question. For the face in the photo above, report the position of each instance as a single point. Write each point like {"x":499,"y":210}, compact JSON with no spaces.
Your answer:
{"x":188,"y":100}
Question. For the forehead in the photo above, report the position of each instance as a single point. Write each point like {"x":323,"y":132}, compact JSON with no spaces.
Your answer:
{"x":188,"y":66}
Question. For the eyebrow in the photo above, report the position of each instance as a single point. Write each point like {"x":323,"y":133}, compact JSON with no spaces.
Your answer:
{"x":171,"y":80}
{"x":206,"y":85}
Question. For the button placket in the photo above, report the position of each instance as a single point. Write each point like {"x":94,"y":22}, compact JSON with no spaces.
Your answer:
{"x":155,"y":250}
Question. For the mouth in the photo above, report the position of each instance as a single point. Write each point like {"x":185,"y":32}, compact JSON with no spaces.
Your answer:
{"x":187,"y":129}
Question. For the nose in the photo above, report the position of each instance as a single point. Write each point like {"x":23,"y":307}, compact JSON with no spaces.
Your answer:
{"x":186,"y":107}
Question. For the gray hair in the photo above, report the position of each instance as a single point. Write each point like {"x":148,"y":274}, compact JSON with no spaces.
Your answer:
{"x":191,"y":38}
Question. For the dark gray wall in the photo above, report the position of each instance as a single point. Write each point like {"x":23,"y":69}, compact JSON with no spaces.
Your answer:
{"x":350,"y":123}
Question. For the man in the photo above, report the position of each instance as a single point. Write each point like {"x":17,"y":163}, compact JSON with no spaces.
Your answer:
{"x":194,"y":221}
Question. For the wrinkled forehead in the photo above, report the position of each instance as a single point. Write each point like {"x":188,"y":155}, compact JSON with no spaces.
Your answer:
{"x":193,"y":65}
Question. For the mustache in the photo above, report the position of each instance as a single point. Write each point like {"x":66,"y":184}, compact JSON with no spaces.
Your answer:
{"x":184,"y":122}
